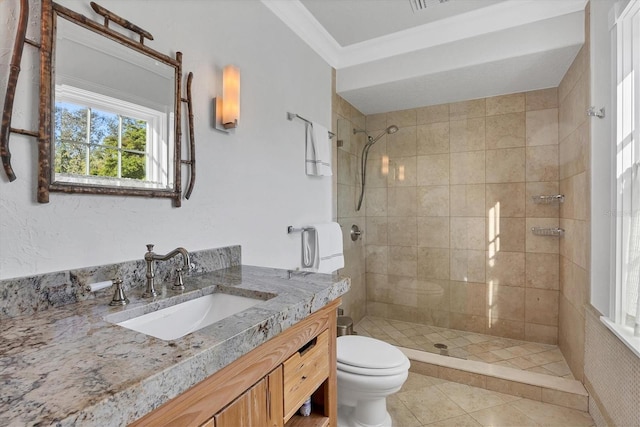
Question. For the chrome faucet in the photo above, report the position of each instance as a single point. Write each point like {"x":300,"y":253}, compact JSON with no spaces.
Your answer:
{"x":150,"y":257}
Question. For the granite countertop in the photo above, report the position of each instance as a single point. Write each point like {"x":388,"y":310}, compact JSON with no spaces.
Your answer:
{"x":70,"y":366}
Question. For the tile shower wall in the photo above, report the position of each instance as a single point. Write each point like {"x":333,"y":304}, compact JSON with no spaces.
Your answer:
{"x":574,"y":158}
{"x":447,"y":240}
{"x":345,"y":119}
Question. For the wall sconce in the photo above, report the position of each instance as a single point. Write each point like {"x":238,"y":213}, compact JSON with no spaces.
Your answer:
{"x":227,"y":107}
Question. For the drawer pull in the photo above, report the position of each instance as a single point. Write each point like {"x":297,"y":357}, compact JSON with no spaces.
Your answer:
{"x":308,"y":346}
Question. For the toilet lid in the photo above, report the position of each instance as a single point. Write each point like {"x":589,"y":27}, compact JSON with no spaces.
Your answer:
{"x":368,"y":353}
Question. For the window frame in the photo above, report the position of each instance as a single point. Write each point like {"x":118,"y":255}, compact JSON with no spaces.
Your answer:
{"x":615,"y":321}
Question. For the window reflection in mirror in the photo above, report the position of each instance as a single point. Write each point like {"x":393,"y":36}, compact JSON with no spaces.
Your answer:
{"x":113,"y":113}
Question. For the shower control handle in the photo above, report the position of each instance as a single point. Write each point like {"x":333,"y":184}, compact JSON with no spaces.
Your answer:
{"x":355,"y":232}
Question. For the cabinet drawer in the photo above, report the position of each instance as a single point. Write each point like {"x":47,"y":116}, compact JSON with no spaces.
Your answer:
{"x":304,"y":371}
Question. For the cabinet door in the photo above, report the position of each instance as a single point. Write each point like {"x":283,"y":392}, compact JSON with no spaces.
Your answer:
{"x":259,"y":406}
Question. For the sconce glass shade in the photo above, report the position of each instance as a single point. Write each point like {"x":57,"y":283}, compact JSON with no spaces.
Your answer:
{"x":227,"y":106}
{"x":230,"y":96}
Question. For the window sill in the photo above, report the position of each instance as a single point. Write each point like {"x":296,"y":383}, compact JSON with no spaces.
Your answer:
{"x":625,"y":334}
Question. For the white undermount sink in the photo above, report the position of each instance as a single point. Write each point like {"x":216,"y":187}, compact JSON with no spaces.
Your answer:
{"x":181,"y":319}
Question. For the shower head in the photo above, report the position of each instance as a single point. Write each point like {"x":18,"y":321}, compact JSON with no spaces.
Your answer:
{"x":391,"y":129}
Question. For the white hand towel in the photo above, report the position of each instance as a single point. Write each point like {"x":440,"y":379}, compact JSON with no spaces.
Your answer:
{"x":318,"y":150}
{"x":329,"y":255}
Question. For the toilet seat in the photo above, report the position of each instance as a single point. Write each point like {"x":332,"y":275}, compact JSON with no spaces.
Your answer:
{"x":370,"y":357}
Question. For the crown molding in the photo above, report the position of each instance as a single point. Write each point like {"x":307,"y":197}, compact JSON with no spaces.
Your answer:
{"x":493,"y":18}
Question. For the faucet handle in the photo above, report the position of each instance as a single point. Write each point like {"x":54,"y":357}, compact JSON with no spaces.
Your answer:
{"x":179,"y":283}
{"x":150,"y":247}
{"x":119,"y":298}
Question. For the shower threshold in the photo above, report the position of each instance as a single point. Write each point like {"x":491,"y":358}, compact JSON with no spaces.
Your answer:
{"x":519,"y":368}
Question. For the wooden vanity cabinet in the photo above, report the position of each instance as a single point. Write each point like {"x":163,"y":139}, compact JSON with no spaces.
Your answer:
{"x":265,"y":387}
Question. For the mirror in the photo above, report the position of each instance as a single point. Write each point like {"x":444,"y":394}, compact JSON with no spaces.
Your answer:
{"x":110,"y":110}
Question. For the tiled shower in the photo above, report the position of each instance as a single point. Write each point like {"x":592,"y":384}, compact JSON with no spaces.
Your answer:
{"x":448,"y":211}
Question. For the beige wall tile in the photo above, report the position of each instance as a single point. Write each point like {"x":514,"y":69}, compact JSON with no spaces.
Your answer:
{"x":346,"y":201}
{"x":505,"y":200}
{"x":376,"y":259}
{"x":467,"y":134}
{"x":571,"y":337}
{"x":506,"y":268}
{"x":464,"y":377}
{"x":375,"y":177}
{"x":513,"y":329}
{"x":508,"y":234}
{"x":467,"y":233}
{"x":402,"y":143}
{"x":467,"y":109}
{"x":537,"y":209}
{"x":403,"y":261}
{"x":467,"y":200}
{"x":433,"y":263}
{"x":505,"y":131}
{"x":433,"y":232}
{"x":575,"y":285}
{"x":573,"y":152}
{"x":541,"y":306}
{"x":468,"y":265}
{"x":375,"y":201}
{"x":541,"y":99}
{"x":375,"y":232}
{"x":402,"y":231}
{"x":467,"y":168}
{"x":402,"y":172}
{"x":347,"y":169}
{"x":542,"y":163}
{"x":433,"y":200}
{"x":568,"y":400}
{"x":433,"y":138}
{"x":432,"y":114}
{"x":402,"y":118}
{"x":542,"y":127}
{"x":541,"y":244}
{"x":506,"y":302}
{"x":571,"y":113}
{"x":433,"y":294}
{"x":424,"y":368}
{"x":468,"y":322}
{"x":376,"y":122}
{"x":575,"y":71}
{"x":503,"y":104}
{"x":433,"y":170}
{"x":506,"y":165}
{"x":468,"y":298}
{"x":514,"y":388}
{"x":402,"y":201}
{"x":377,"y":288}
{"x":541,"y":333}
{"x":542,"y":271}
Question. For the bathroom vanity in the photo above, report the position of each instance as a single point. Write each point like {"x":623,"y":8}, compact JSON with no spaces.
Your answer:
{"x":73,"y":365}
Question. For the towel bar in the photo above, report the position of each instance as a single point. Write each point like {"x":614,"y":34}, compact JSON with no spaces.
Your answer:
{"x":292,"y":116}
{"x":292,"y":229}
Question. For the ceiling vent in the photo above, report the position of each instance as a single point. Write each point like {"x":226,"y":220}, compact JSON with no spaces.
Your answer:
{"x":419,"y":5}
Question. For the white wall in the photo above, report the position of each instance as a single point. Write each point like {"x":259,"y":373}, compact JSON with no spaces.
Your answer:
{"x":250,"y":184}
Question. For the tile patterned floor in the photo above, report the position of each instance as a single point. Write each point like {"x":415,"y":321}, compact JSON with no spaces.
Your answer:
{"x":428,"y":401}
{"x":535,"y":357}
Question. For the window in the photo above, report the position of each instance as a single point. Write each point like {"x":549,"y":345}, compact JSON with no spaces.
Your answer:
{"x":105,"y":141}
{"x":626,"y":304}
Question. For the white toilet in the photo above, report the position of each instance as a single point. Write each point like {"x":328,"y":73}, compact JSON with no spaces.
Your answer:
{"x":369,"y":370}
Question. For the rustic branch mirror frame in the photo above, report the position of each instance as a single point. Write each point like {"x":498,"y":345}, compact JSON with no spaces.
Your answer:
{"x":51,"y":12}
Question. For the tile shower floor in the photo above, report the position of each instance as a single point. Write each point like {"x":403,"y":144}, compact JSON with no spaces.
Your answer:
{"x":428,"y":401}
{"x":528,"y":356}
